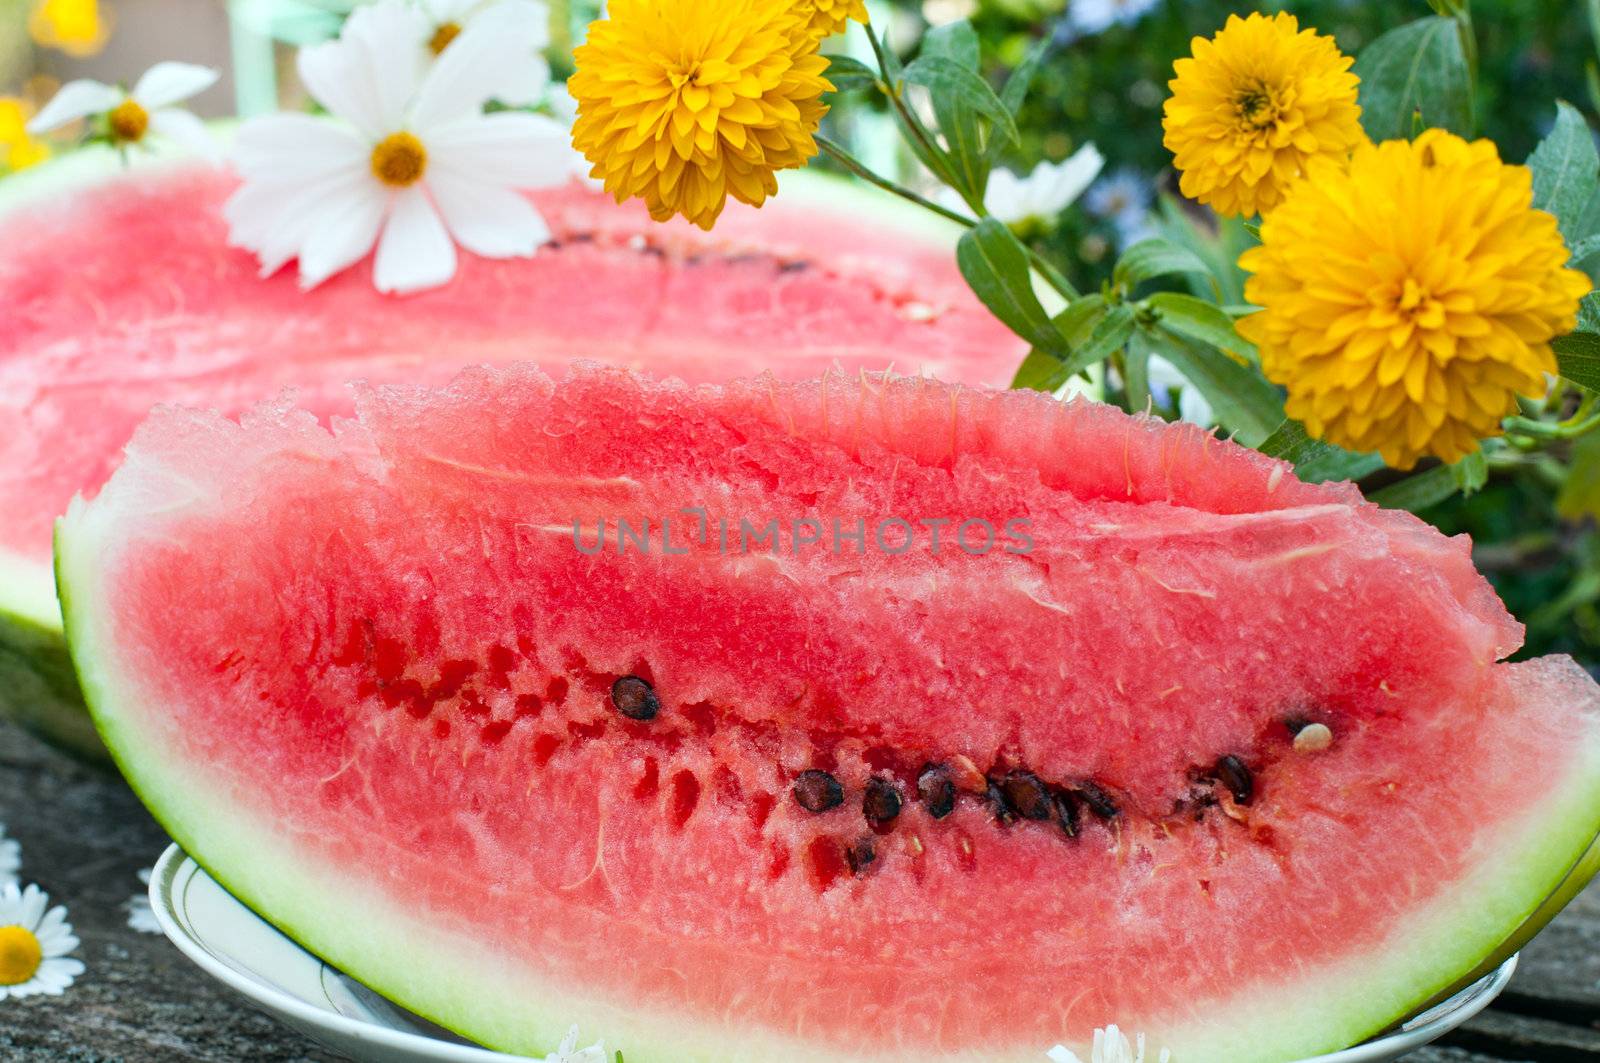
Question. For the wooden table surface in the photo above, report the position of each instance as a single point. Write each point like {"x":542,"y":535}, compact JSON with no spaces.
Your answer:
{"x":84,"y":838}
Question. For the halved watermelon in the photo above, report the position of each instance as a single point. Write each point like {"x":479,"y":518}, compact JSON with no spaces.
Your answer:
{"x":124,"y":294}
{"x":1156,"y":735}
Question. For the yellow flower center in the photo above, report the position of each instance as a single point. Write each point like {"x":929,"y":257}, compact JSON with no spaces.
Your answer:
{"x":20,"y":955}
{"x":399,"y":160}
{"x":1257,"y":107}
{"x":443,"y":37}
{"x":129,"y":121}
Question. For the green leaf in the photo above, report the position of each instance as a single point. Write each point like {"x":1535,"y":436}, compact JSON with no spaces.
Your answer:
{"x":1566,"y":173}
{"x":1472,"y":471}
{"x":1243,"y":400}
{"x":1037,"y":371}
{"x":1136,"y":370}
{"x":1315,"y":461}
{"x":957,"y":120}
{"x":1219,"y":250}
{"x":943,"y":76}
{"x":1015,"y":91}
{"x":1416,"y":67}
{"x":1197,"y":319}
{"x":1419,"y":492}
{"x":1149,"y":259}
{"x":1580,"y":495}
{"x":1110,"y":329}
{"x":848,"y":75}
{"x":1579,"y":358}
{"x":995,"y":265}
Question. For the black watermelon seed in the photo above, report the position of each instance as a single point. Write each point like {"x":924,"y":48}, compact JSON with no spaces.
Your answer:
{"x":861,"y":854}
{"x":937,"y":790}
{"x":1068,"y":812}
{"x":1099,"y":802}
{"x":1027,"y":795}
{"x":882,"y":801}
{"x":1232,"y":773}
{"x":817,"y":791}
{"x":635,"y":698}
{"x":999,"y":807}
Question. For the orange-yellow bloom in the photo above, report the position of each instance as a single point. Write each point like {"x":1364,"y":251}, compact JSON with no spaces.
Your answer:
{"x":72,"y":26}
{"x":1409,"y":297}
{"x":827,"y":17}
{"x":683,"y":103}
{"x":1253,"y":106}
{"x":18,"y":150}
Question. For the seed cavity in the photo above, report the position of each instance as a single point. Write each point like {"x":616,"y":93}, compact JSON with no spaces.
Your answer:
{"x":882,"y":803}
{"x":634,"y":698}
{"x":999,"y":807}
{"x":817,"y":791}
{"x":1026,"y":795}
{"x":1232,"y":773}
{"x":937,"y":790}
{"x":861,"y":854}
{"x":1313,"y":738}
{"x":1069,"y":813}
{"x":1100,"y":803}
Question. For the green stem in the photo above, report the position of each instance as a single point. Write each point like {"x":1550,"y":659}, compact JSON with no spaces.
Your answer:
{"x":849,"y":162}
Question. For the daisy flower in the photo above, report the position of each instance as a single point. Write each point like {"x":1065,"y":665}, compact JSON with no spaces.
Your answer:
{"x":10,"y":859}
{"x":34,"y":944}
{"x":1110,"y":1046}
{"x":414,"y":167}
{"x":142,"y":917}
{"x":1042,"y":195}
{"x":569,"y":1052}
{"x":525,"y":82}
{"x":128,"y":118}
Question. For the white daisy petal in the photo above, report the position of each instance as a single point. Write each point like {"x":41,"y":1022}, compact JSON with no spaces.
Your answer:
{"x":274,"y":219}
{"x":488,"y":220}
{"x":525,"y":85}
{"x":509,"y":148}
{"x":1061,"y":1054}
{"x":77,"y":99}
{"x":478,"y":63}
{"x":166,"y":83}
{"x":186,"y":131}
{"x":414,"y":252}
{"x":369,"y":74}
{"x":291,"y":148}
{"x":343,"y":235}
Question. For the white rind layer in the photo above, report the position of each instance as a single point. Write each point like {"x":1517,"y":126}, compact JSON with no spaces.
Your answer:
{"x":483,"y":992}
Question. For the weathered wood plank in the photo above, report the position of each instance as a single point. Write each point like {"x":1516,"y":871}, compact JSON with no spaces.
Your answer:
{"x":1509,"y":1036}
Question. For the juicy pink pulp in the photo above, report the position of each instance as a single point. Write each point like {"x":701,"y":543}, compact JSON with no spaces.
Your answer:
{"x":391,"y":642}
{"x":127,"y":295}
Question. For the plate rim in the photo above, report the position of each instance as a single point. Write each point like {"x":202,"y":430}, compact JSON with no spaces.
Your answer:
{"x":174,"y":860}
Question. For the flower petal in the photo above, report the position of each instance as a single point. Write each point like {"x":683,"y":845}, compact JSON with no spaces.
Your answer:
{"x":505,"y":148}
{"x":479,"y":63}
{"x":367,"y":76}
{"x":77,"y":99}
{"x":186,"y":131}
{"x":167,"y":83}
{"x":344,"y":231}
{"x":414,"y":252}
{"x":488,"y":219}
{"x":291,"y":148}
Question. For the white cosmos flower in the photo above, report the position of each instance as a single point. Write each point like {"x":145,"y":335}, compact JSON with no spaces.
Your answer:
{"x":569,"y":1052}
{"x":34,"y":943}
{"x":141,"y":916}
{"x":10,"y":859}
{"x":1044,"y":193}
{"x":525,"y":82}
{"x":130,"y":117}
{"x":1110,"y":1046}
{"x":414,"y":166}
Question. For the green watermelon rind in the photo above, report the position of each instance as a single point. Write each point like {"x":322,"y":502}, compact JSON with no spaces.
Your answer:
{"x":1544,"y":857}
{"x":36,"y":686}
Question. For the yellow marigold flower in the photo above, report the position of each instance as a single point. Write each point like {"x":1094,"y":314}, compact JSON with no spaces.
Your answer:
{"x":1409,"y":297}
{"x":72,"y":26}
{"x":827,"y":17}
{"x":18,"y":150}
{"x":683,"y":103}
{"x":1253,"y":106}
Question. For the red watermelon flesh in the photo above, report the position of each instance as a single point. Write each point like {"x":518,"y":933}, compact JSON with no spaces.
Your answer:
{"x":372,"y":683}
{"x":127,"y":295}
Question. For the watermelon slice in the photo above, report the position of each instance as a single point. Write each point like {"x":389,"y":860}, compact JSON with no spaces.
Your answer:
{"x":124,"y":294}
{"x":1157,"y":735}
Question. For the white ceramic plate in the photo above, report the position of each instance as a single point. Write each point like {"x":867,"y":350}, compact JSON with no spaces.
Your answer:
{"x":238,"y":948}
